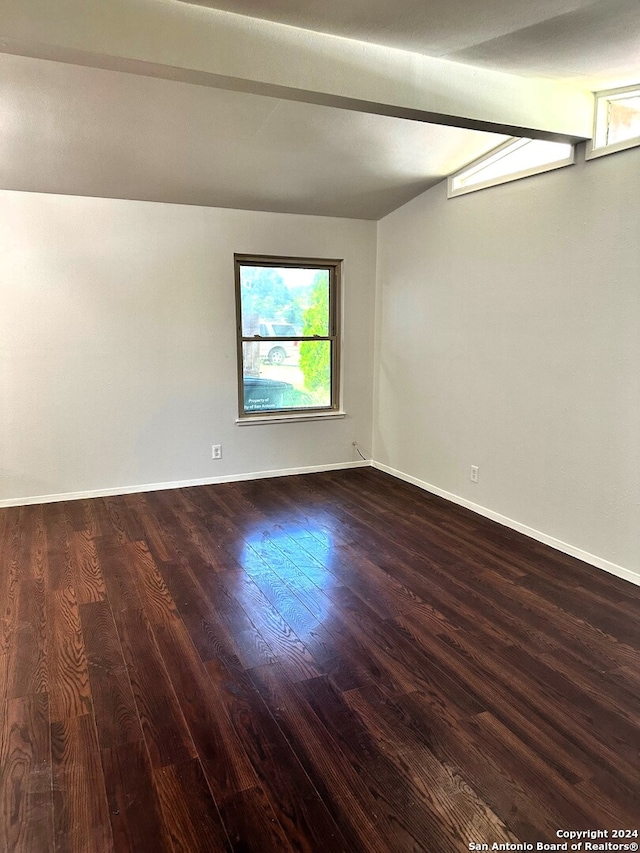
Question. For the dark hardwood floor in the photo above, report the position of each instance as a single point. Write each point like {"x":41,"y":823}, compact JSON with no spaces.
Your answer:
{"x":335,"y":661}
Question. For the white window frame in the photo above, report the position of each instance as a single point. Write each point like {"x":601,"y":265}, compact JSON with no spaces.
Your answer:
{"x":597,"y":146}
{"x":503,"y":150}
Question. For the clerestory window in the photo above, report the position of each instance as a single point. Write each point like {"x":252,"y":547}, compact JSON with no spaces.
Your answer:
{"x":514,"y":159}
{"x":617,"y":121}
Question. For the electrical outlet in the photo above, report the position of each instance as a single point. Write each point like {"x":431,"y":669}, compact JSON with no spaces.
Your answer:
{"x":474,"y":473}
{"x":216,"y":451}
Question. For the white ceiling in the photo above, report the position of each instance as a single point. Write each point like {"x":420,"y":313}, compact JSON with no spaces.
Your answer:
{"x":596,"y":41}
{"x":81,"y":130}
{"x":87,"y":131}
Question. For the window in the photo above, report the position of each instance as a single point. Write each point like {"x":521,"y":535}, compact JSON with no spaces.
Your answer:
{"x":514,"y":159}
{"x":288,"y":343}
{"x":617,"y":121}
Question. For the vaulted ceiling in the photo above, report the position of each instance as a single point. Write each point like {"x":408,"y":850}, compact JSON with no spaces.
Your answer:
{"x":340,"y":108}
{"x":594,"y":41}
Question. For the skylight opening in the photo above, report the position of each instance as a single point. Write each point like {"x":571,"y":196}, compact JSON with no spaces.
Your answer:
{"x":514,"y":159}
{"x":617,"y":121}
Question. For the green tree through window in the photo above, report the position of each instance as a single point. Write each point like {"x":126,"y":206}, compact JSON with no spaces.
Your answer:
{"x":315,"y":357}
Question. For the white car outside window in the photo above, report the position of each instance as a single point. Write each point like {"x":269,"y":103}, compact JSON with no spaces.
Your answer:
{"x":276,"y":352}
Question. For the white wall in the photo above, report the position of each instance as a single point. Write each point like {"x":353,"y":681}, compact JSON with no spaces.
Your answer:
{"x":117,"y":343}
{"x":509,"y":338}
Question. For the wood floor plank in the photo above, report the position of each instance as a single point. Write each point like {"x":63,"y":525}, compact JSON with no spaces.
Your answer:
{"x":327,"y":661}
{"x":61,"y":571}
{"x":504,"y":793}
{"x":75,"y":513}
{"x":202,"y":615}
{"x":357,"y":661}
{"x":457,"y":803}
{"x":28,"y":650}
{"x":10,"y":574}
{"x":81,"y":812}
{"x":120,"y":582}
{"x":308,"y":628}
{"x":27,"y":644}
{"x":177,"y":543}
{"x":159,"y":605}
{"x":37,"y":565}
{"x":290,"y":558}
{"x":514,"y":695}
{"x":203,"y":543}
{"x":404,"y":664}
{"x":400,"y":792}
{"x":4,"y":668}
{"x":165,"y":730}
{"x":531,"y":618}
{"x":345,"y":794}
{"x":134,"y":808}
{"x":362,"y":805}
{"x":614,"y":802}
{"x":252,"y":825}
{"x":70,"y":693}
{"x":113,"y":702}
{"x":584,"y":701}
{"x":221,"y":753}
{"x":277,"y":632}
{"x":152,"y":532}
{"x":26,"y":793}
{"x":300,"y":810}
{"x":117,"y":520}
{"x":554,"y":798}
{"x":88,"y":581}
{"x":190,"y":819}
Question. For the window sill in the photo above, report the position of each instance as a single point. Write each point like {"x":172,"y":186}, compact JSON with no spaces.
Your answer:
{"x":292,"y":418}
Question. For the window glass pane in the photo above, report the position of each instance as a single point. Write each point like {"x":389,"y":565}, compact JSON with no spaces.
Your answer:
{"x":300,"y":380}
{"x":519,"y":157}
{"x":280,"y":305}
{"x":284,"y":329}
{"x":315,"y":367}
{"x":623,"y":119}
{"x":315,"y":319}
{"x":284,"y":301}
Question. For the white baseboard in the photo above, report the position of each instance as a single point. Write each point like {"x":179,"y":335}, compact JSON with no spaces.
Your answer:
{"x":180,"y":484}
{"x":558,"y":544}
